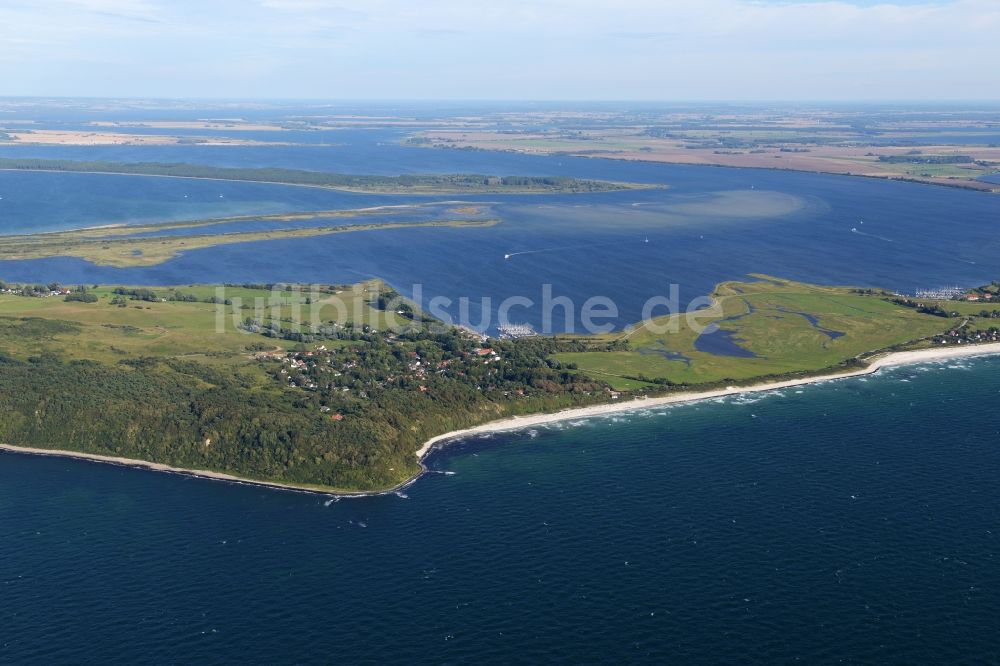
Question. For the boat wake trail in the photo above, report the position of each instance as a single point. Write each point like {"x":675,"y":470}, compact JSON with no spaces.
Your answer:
{"x":511,"y":255}
{"x":854,"y":230}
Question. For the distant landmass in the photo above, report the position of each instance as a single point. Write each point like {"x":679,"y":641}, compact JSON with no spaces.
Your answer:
{"x":403,"y":184}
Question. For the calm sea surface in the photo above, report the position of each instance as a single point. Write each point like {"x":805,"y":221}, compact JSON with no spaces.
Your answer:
{"x":849,"y":522}
{"x":711,"y":224}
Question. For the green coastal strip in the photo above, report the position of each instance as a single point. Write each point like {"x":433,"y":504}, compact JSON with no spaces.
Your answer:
{"x":103,"y":248}
{"x":404,"y":184}
{"x":769,"y":327}
{"x":334,"y":389}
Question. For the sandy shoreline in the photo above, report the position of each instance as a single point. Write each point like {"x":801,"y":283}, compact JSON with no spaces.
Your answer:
{"x":160,"y":467}
{"x":519,"y":422}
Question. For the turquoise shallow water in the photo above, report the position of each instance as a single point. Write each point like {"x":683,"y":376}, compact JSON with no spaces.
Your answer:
{"x":850,"y":522}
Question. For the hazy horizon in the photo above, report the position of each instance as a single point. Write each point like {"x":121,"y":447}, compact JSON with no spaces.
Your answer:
{"x":744,"y":51}
{"x":514,"y":102}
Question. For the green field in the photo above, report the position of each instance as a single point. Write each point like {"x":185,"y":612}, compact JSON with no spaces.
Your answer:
{"x":944,"y":170}
{"x":771,"y":318}
{"x":108,"y":333}
{"x":776,"y":331}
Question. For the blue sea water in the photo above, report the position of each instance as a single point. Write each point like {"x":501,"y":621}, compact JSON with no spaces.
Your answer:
{"x":848,"y":522}
{"x":40,"y":202}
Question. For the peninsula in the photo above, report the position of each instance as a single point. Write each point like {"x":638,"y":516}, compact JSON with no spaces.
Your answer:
{"x":334,"y":390}
{"x":148,"y":245}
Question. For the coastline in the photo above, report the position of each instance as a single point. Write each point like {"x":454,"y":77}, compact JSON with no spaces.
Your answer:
{"x":198,"y":473}
{"x":520,"y":422}
{"x":359,"y":190}
{"x":971,"y":185}
{"x":888,"y":360}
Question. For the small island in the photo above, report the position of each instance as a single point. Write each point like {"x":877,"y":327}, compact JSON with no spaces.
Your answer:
{"x":403,"y":184}
{"x":306,"y":395}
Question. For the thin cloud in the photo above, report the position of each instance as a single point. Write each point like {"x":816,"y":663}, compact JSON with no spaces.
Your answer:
{"x":633,"y":49}
{"x":311,"y":6}
{"x":132,"y":10}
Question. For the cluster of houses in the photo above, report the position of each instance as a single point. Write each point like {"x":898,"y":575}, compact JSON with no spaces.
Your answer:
{"x":34,"y":291}
{"x":967,"y":337}
{"x":487,"y":354}
{"x":301,"y":369}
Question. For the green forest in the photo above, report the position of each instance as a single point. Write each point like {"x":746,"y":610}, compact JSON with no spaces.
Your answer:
{"x":344,"y":415}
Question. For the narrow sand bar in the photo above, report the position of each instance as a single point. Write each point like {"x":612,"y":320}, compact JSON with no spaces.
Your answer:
{"x":519,"y":422}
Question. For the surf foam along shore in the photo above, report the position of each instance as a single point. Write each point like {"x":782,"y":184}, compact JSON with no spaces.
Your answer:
{"x":520,"y":422}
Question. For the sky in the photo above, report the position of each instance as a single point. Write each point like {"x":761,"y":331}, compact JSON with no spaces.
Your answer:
{"x":657,"y":50}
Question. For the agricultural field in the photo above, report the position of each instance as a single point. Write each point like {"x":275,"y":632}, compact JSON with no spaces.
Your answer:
{"x":791,"y":139}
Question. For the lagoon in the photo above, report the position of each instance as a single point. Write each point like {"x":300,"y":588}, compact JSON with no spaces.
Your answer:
{"x":712,"y":224}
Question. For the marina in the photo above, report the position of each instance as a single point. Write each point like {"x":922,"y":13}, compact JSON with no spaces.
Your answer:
{"x":515,"y":331}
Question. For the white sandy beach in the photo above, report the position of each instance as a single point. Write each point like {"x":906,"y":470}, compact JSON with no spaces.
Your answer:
{"x":519,"y":422}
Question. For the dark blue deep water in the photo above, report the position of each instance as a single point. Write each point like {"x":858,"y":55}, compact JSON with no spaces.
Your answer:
{"x":849,"y":522}
{"x":846,"y":522}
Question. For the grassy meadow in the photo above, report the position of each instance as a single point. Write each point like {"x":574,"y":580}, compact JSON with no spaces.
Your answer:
{"x":109,"y":333}
{"x":790,"y":327}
